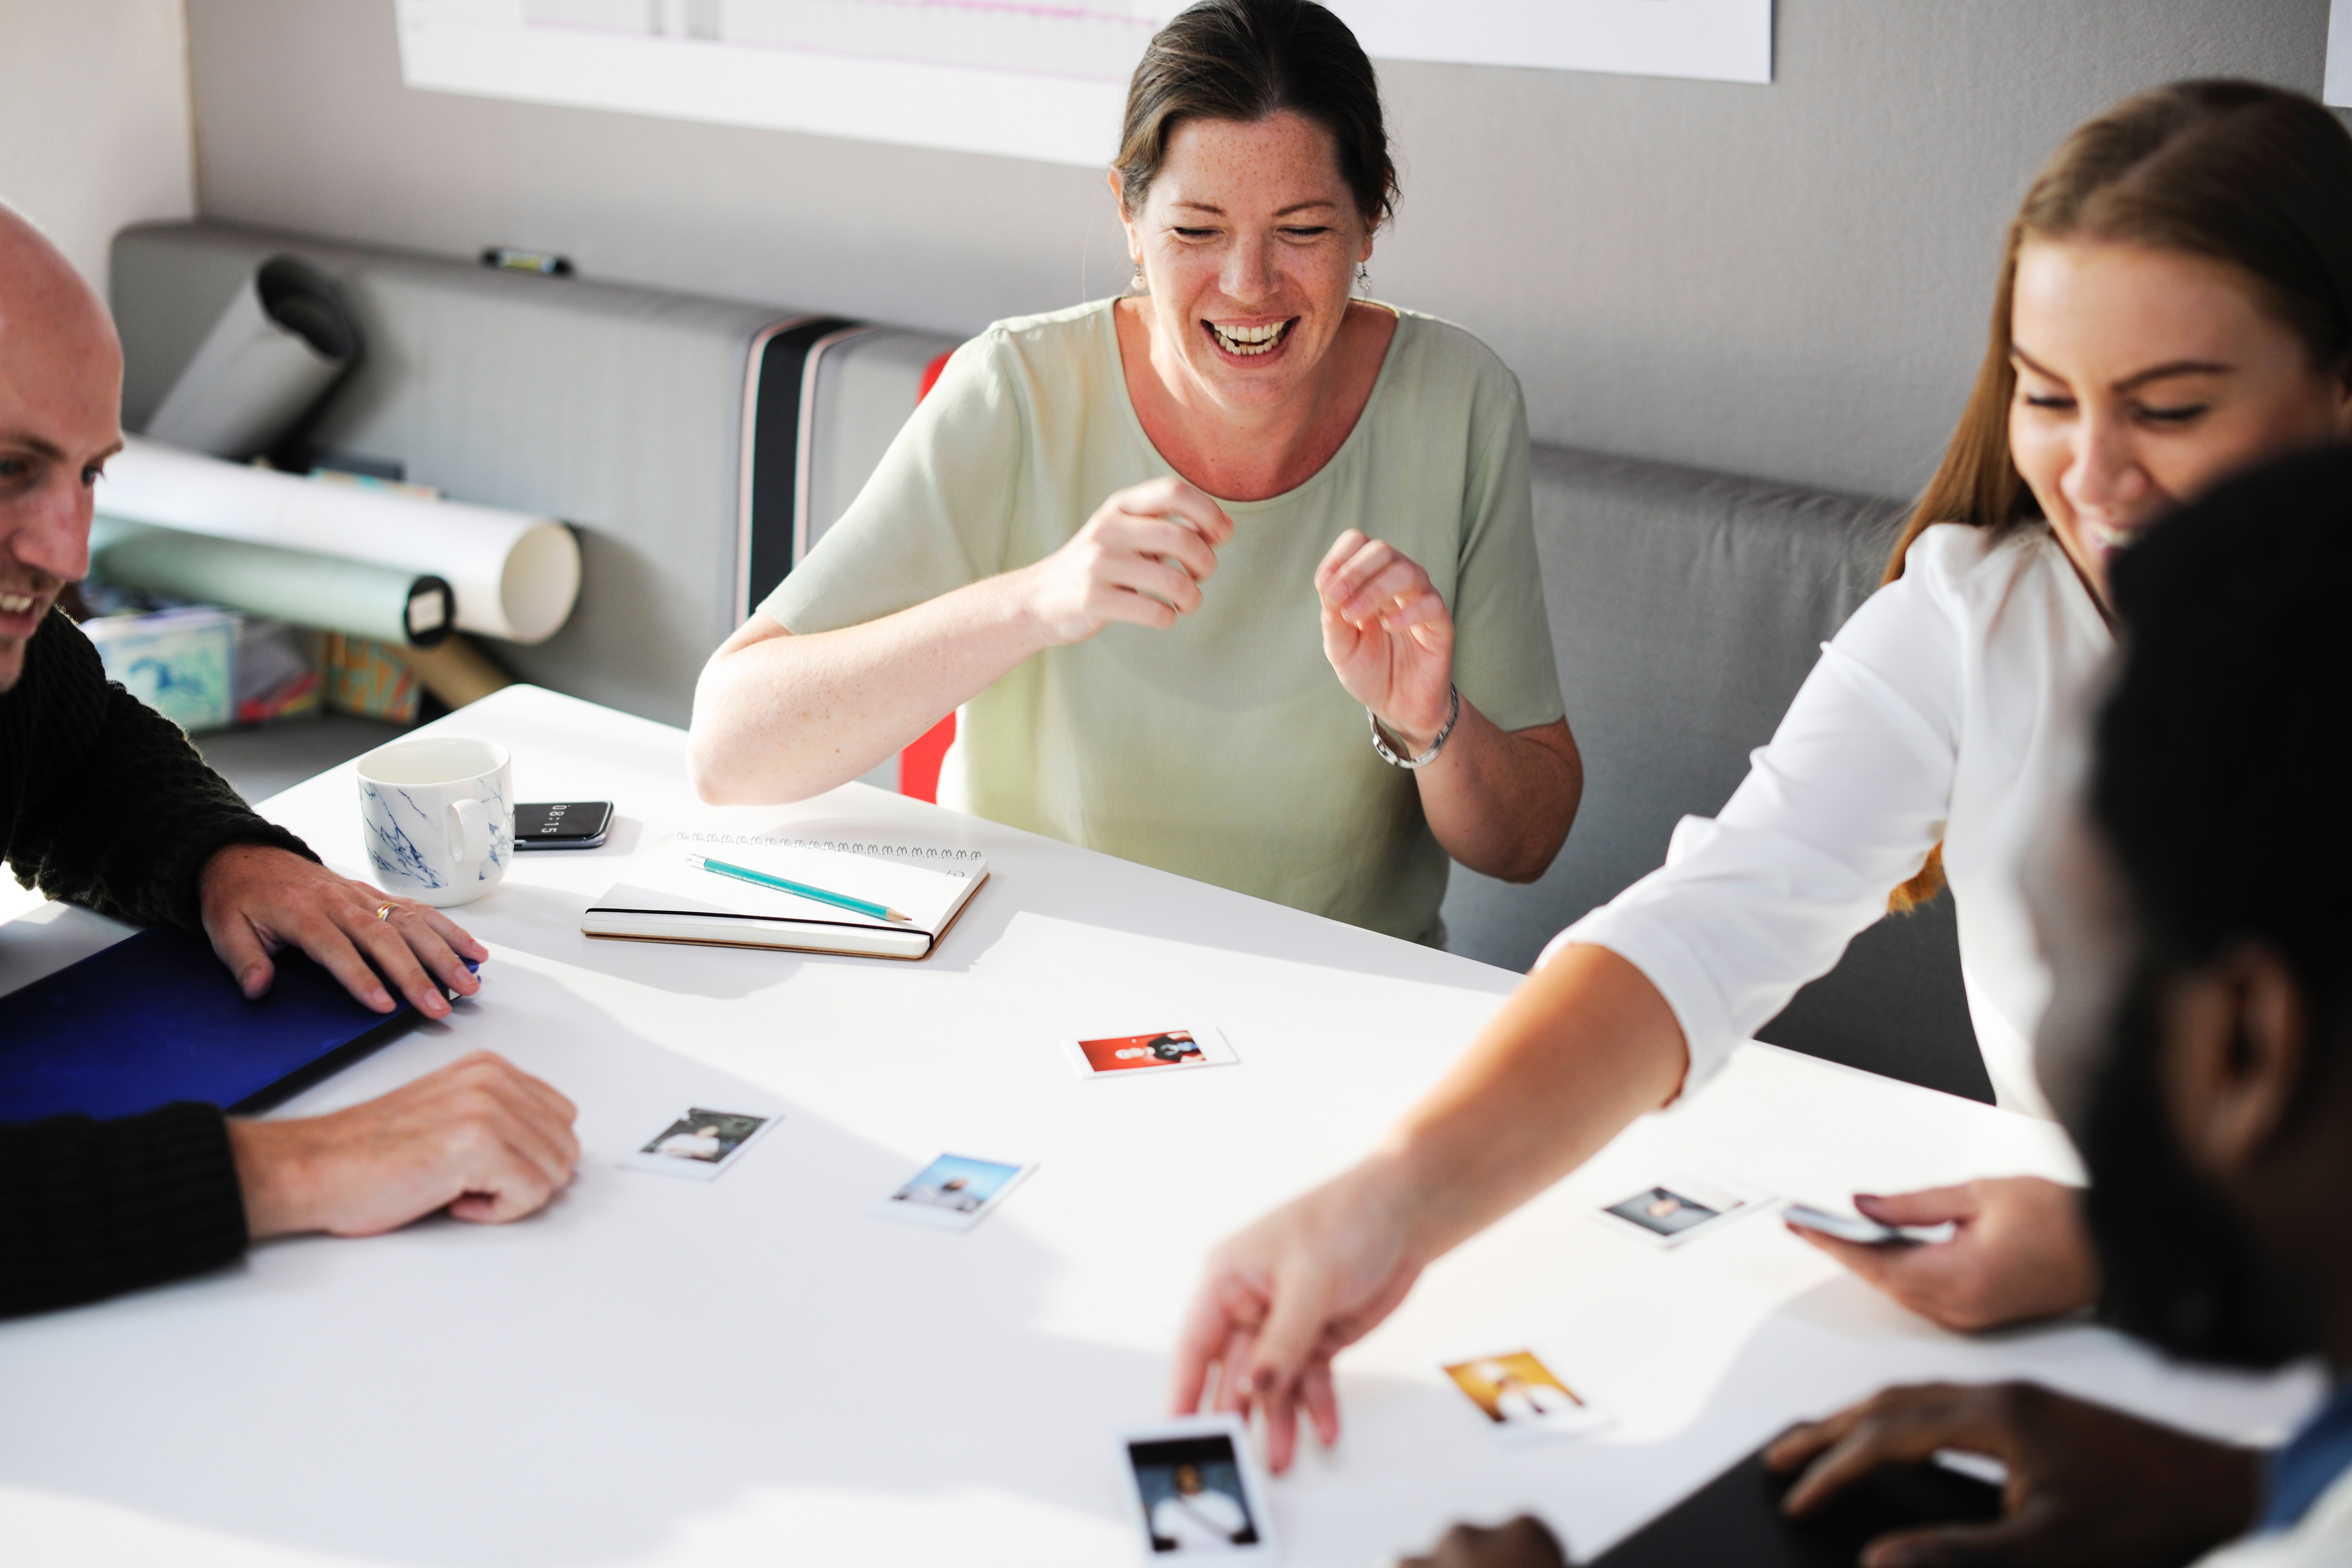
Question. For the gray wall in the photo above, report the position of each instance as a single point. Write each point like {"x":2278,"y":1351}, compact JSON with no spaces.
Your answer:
{"x":1787,"y":280}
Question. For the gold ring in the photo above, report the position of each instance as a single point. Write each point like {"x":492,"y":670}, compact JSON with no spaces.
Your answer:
{"x":384,"y":912}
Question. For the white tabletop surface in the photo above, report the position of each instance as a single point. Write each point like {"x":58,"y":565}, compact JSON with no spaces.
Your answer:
{"x":665,"y":1372}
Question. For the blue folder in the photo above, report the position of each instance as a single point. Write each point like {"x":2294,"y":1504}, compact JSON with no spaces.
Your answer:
{"x":156,"y":1018}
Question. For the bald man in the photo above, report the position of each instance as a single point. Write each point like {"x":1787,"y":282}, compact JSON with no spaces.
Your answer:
{"x":103,"y":802}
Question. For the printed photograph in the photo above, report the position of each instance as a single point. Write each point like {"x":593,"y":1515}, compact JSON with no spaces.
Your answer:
{"x":955,"y":1185}
{"x":1517,"y":1390}
{"x":1667,"y":1212}
{"x":1170,"y":1047}
{"x":709,"y":1136}
{"x":1158,"y":1048}
{"x":1193,"y":1498}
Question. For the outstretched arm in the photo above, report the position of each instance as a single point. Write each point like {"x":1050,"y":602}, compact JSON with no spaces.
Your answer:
{"x":780,"y":718}
{"x":1585,"y":1045}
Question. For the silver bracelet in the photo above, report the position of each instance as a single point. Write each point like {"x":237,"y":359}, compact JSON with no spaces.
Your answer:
{"x":1388,"y":754}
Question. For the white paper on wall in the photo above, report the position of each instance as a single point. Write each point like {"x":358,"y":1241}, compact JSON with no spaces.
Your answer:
{"x":1043,"y":80}
{"x":2338,"y":89}
{"x":1714,"y":41}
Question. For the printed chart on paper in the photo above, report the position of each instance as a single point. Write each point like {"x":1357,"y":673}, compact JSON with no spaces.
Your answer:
{"x":1026,"y":80}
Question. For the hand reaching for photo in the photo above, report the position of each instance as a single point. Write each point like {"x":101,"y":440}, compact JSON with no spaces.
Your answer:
{"x":1388,"y":636}
{"x":1284,"y":1297}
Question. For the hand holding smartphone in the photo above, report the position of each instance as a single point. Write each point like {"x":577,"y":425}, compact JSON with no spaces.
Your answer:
{"x":1864,"y":1232}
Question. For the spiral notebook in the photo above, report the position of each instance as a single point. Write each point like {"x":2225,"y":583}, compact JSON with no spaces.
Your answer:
{"x":668,"y":898}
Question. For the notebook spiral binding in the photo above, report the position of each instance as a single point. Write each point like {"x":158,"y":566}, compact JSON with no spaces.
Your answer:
{"x":883,"y":851}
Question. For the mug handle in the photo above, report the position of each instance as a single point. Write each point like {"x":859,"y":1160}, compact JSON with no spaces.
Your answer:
{"x":473,"y":831}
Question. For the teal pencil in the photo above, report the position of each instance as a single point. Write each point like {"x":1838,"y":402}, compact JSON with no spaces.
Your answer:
{"x":799,"y":889}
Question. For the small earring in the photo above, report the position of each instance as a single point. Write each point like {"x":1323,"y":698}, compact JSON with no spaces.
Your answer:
{"x":1363,"y":276}
{"x":1139,"y":283}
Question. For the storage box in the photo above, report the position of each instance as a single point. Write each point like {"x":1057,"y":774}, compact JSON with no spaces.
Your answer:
{"x":178,"y":662}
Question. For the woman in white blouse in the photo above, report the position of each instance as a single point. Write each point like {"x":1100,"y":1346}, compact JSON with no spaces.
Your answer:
{"x":2175,"y":305}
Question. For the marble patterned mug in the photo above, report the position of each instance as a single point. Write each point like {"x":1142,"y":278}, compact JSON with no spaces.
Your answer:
{"x":438,"y":818}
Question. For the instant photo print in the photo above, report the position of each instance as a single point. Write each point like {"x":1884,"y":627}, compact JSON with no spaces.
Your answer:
{"x":700,"y":1144}
{"x":1521,"y":1398}
{"x":1152,"y":1052}
{"x":954,"y":1192}
{"x":1194,"y":1491}
{"x":1689,"y":1204}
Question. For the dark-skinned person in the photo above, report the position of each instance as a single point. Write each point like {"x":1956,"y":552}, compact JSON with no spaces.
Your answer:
{"x":2174,"y":308}
{"x":104,"y":803}
{"x":2197,"y":1045}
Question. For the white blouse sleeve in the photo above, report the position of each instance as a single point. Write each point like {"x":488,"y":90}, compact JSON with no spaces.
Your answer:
{"x":1839,"y":810}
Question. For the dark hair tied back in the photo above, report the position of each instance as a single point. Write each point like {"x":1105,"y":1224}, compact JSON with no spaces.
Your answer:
{"x":1244,"y":60}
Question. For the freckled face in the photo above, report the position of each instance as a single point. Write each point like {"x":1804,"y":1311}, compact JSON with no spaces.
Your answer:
{"x":2143,"y":377}
{"x":1250,"y":241}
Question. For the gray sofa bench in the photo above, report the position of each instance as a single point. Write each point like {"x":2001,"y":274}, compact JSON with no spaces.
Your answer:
{"x":1686,"y":607}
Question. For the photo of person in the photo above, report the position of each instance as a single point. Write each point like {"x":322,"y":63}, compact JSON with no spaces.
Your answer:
{"x":1519,"y":1391}
{"x":952,"y":1192}
{"x":700,"y":1143}
{"x":1667,"y":1212}
{"x":1194,"y":1498}
{"x":706,"y":1135}
{"x":1163,"y":1049}
{"x":1158,"y":1048}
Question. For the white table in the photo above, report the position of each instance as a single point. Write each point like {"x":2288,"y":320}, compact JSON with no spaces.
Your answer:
{"x":753,"y":1370}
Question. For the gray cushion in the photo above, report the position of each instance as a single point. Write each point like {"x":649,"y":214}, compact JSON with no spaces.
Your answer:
{"x":1686,"y":607}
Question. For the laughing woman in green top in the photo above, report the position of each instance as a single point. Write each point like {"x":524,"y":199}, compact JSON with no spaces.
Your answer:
{"x":1317,"y":507}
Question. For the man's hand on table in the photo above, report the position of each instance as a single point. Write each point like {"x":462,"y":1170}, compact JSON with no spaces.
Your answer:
{"x":257,"y":899}
{"x":1524,"y":1543}
{"x":480,"y":1138}
{"x":2018,"y":1251}
{"x":1284,"y":1297}
{"x":2086,"y":1485}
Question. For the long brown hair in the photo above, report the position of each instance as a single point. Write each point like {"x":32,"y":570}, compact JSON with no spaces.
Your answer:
{"x":2252,"y":176}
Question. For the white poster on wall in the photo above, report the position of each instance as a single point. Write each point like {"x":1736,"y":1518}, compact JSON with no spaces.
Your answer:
{"x":2338,"y":89}
{"x":1026,"y":80}
{"x":1714,"y":41}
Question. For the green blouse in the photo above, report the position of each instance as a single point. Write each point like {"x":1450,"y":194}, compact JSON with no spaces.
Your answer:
{"x":1226,"y":748}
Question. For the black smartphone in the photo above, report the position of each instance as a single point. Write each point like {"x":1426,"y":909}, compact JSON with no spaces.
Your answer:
{"x":562,"y":825}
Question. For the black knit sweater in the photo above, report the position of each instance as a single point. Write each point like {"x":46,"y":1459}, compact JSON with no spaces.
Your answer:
{"x":103,"y":802}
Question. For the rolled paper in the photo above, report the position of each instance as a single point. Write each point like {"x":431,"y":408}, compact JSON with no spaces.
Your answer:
{"x":516,"y":576}
{"x":390,"y":603}
{"x":278,"y":345}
